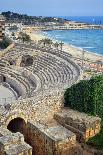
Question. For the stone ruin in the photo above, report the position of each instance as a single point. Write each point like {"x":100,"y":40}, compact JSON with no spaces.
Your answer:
{"x":37,"y":123}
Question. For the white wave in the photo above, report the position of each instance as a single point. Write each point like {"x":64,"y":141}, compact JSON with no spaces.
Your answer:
{"x":58,"y":35}
{"x":88,"y":47}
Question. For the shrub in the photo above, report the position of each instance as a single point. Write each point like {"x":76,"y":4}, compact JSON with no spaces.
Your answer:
{"x":24,"y":37}
{"x":86,"y":96}
{"x":5,"y":42}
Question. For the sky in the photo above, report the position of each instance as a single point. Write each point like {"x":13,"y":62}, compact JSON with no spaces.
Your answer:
{"x":54,"y":7}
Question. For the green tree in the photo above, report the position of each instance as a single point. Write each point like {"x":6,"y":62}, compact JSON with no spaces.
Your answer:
{"x":46,"y":41}
{"x":24,"y":37}
{"x":56,"y":44}
{"x":86,"y":96}
{"x":5,"y":42}
{"x":61,"y":45}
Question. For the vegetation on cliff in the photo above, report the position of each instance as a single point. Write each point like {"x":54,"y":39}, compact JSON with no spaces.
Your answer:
{"x":10,"y":16}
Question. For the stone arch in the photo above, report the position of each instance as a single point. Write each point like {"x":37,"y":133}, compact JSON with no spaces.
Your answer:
{"x":13,"y":116}
{"x":17,"y":125}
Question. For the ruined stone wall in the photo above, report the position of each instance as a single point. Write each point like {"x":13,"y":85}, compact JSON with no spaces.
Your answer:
{"x":13,"y":143}
{"x":95,"y":129}
{"x":38,"y":141}
{"x":32,"y":109}
{"x":83,"y":132}
{"x":43,"y":144}
{"x":7,"y":50}
{"x":42,"y":110}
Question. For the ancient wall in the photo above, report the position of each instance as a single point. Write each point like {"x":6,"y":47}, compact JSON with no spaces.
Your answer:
{"x":81,"y":124}
{"x":44,"y":144}
{"x":13,"y":143}
{"x":32,"y":109}
{"x":7,"y":50}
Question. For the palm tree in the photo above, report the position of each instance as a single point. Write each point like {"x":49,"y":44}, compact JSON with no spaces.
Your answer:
{"x":56,"y":45}
{"x":49,"y":42}
{"x":46,"y":41}
{"x":61,"y":45}
{"x":24,"y":37}
{"x":39,"y":42}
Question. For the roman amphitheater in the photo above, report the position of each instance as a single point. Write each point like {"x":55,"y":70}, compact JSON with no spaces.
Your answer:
{"x":33,"y":120}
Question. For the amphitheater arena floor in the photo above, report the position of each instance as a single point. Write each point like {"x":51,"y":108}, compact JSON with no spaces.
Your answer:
{"x":6,"y":95}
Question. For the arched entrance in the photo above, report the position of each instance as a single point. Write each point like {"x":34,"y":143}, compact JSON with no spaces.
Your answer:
{"x":19,"y":125}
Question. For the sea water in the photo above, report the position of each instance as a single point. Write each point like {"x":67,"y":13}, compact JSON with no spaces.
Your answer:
{"x":90,"y":40}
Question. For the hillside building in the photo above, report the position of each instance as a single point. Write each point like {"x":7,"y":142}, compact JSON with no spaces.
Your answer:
{"x":2,"y":27}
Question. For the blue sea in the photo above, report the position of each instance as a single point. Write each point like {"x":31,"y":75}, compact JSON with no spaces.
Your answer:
{"x":90,"y":40}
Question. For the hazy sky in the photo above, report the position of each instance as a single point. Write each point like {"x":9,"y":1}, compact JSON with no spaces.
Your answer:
{"x":54,"y":7}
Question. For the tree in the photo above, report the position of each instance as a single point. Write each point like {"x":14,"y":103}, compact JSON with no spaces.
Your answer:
{"x":42,"y":41}
{"x":49,"y":42}
{"x":56,"y":44}
{"x":86,"y":96}
{"x":61,"y":45}
{"x":14,"y":28}
{"x":5,"y":42}
{"x":46,"y":41}
{"x":24,"y":37}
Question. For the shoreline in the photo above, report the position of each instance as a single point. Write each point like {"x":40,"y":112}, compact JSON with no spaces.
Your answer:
{"x":75,"y":51}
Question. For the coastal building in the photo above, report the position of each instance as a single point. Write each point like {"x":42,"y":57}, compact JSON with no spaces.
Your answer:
{"x":2,"y":27}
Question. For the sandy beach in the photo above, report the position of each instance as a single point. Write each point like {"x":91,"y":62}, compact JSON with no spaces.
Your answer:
{"x":35,"y":35}
{"x":73,"y":50}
